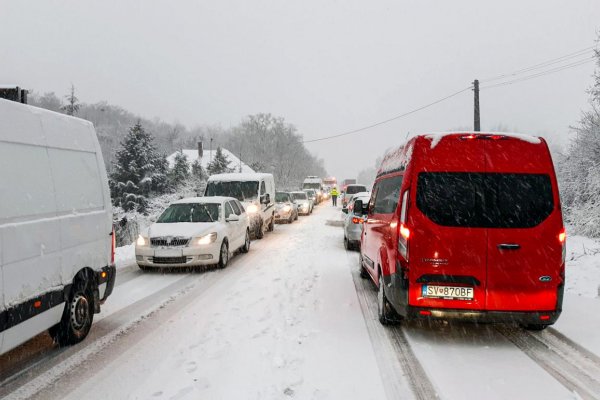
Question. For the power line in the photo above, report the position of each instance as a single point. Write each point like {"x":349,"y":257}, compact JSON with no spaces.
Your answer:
{"x":557,"y":60}
{"x":543,"y":73}
{"x":364,"y":128}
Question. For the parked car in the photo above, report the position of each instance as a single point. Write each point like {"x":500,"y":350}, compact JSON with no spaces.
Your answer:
{"x":255,"y":191}
{"x":56,"y":238}
{"x":351,"y":190}
{"x":312,"y":196}
{"x":316,"y":183}
{"x":466,"y":226}
{"x":353,"y":224}
{"x":285,"y":208}
{"x":301,"y":199}
{"x":195,"y":231}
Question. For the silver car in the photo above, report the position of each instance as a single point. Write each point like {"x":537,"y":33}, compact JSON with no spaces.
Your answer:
{"x":304,"y":204}
{"x":285,"y":208}
{"x":353,"y":224}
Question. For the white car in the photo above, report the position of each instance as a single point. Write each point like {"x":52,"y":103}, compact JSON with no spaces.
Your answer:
{"x":303,"y":202}
{"x":195,"y":231}
{"x":353,"y":224}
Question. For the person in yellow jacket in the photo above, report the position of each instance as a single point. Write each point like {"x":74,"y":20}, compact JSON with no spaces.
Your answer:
{"x":334,"y":196}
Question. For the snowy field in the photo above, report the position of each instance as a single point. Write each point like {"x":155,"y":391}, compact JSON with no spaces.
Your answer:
{"x":293,"y":320}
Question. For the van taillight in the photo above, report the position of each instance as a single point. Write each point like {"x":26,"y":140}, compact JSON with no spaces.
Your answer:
{"x":404,"y":232}
{"x":562,"y":236}
{"x":113,"y":245}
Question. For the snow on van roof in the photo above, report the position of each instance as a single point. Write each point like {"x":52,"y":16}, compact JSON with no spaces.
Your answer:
{"x":436,"y":137}
{"x":239,"y":177}
{"x":395,"y":158}
{"x":206,"y":199}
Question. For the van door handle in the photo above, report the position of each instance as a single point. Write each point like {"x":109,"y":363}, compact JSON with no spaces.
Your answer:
{"x":509,"y":246}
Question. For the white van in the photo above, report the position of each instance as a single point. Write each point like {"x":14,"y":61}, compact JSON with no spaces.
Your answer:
{"x":255,"y":191}
{"x":56,"y":238}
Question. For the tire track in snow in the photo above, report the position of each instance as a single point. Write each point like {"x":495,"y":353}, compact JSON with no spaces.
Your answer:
{"x":570,"y":364}
{"x":399,"y":366}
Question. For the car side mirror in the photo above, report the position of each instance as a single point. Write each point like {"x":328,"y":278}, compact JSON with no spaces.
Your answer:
{"x":359,"y":208}
{"x":345,"y":210}
{"x":232,"y":218}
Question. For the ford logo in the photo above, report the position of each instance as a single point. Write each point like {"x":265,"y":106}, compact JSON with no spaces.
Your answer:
{"x":545,"y":278}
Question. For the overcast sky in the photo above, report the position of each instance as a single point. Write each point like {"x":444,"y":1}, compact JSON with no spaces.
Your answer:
{"x":325,"y":66}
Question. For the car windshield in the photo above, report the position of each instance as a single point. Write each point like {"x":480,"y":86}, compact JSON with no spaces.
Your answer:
{"x":308,"y":185}
{"x":241,"y":190}
{"x":281,"y":197}
{"x":299,"y":196}
{"x":355,"y":189}
{"x":192,"y":212}
{"x":311,"y":193}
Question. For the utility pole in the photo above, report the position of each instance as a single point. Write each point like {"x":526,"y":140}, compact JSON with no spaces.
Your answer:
{"x":477,"y":120}
{"x":211,"y":154}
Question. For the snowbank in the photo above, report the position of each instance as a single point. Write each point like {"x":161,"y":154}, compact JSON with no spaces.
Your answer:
{"x":583,"y":266}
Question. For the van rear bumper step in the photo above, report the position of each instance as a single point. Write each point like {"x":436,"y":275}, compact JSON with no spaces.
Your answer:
{"x":518,"y":317}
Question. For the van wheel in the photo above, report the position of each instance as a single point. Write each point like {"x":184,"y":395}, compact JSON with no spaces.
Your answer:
{"x":223,"y":255}
{"x":271,"y":226}
{"x":259,"y":230}
{"x":296,"y":216}
{"x":535,"y":327}
{"x":363,"y":272}
{"x":246,"y":246}
{"x":385,"y":311}
{"x":77,"y":318}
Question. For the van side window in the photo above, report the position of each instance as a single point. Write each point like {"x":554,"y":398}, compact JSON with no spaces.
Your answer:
{"x":228,"y":210}
{"x":263,"y":190}
{"x":235,"y":207}
{"x":404,"y":207}
{"x":386,"y":198}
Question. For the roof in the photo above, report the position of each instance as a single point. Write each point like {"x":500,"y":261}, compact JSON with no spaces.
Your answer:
{"x":255,"y":176}
{"x":206,"y":199}
{"x":208,"y":155}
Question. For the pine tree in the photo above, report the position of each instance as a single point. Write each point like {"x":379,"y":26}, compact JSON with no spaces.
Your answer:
{"x":219,"y":164}
{"x":138,"y":171}
{"x":72,"y":105}
{"x":198,"y":172}
{"x":180,"y":172}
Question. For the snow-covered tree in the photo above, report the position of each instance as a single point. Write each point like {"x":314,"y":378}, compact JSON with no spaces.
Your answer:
{"x":198,"y":172}
{"x":180,"y":172}
{"x":72,"y":105}
{"x":138,"y":171}
{"x":579,"y":169}
{"x":219,"y":164}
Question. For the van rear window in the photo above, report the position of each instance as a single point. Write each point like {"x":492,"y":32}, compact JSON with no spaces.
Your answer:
{"x":485,"y":200}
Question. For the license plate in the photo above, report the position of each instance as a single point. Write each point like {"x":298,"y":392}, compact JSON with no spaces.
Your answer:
{"x":448,"y":292}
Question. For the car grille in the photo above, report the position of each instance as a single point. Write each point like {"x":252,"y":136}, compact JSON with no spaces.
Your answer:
{"x":166,"y":241}
{"x":169,"y":260}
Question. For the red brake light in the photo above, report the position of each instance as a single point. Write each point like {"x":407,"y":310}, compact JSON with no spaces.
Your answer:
{"x":356,"y":220}
{"x":544,"y":317}
{"x":468,"y":137}
{"x":562,"y":236}
{"x":425,"y":312}
{"x":404,"y":231}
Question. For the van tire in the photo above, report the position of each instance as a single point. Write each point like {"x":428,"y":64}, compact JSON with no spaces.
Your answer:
{"x":223,"y":255}
{"x":535,"y":327}
{"x":259,"y":230}
{"x":271,"y":226}
{"x":385,"y":312}
{"x":78,"y":315}
{"x":246,"y":246}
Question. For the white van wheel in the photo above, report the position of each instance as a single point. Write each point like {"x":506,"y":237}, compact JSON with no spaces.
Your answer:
{"x":246,"y":246}
{"x":259,"y":230}
{"x":77,"y":318}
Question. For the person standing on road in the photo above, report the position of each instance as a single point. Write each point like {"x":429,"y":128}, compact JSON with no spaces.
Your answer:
{"x":334,"y":196}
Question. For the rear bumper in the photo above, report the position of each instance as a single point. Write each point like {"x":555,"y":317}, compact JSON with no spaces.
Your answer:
{"x":518,"y":317}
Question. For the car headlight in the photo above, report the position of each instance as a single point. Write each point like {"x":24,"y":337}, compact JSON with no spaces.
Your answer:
{"x":206,"y":239}
{"x":286,"y":208}
{"x":252,"y":208}
{"x":142,"y":241}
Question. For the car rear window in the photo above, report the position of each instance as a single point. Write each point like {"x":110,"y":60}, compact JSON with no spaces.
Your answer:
{"x":355,"y":189}
{"x":485,"y":200}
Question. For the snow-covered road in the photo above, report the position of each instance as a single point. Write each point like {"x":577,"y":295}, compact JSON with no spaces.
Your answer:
{"x":292,"y":319}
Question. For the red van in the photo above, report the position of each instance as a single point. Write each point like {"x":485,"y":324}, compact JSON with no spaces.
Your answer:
{"x":466,"y":226}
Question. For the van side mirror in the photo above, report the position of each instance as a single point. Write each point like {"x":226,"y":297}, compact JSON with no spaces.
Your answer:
{"x":266,"y":199}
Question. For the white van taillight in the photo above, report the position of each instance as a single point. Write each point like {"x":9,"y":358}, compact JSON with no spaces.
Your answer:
{"x":113,"y":246}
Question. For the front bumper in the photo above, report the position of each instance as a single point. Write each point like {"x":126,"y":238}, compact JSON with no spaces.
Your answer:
{"x":158,"y":257}
{"x":281,"y":215}
{"x":517,"y":317}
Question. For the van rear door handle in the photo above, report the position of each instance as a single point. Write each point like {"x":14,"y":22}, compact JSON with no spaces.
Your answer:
{"x":509,"y":246}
